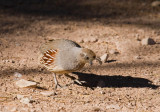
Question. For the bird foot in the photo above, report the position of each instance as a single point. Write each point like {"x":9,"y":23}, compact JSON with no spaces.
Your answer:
{"x":75,"y":80}
{"x":79,"y":82}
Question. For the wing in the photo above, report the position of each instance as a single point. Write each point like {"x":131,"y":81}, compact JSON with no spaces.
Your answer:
{"x":48,"y":57}
{"x":60,"y":44}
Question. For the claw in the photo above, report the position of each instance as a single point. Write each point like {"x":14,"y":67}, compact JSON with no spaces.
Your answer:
{"x":75,"y":80}
{"x":79,"y":82}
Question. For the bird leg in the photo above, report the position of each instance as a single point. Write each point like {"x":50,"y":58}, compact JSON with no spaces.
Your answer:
{"x":75,"y":80}
{"x":56,"y":82}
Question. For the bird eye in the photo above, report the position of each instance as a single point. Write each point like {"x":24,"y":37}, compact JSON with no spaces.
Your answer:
{"x":87,"y":58}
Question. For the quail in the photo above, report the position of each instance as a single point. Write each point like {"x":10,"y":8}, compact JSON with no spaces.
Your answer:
{"x":63,"y":56}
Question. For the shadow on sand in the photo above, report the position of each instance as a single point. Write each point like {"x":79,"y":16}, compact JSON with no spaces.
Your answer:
{"x":116,"y":81}
{"x":92,"y":80}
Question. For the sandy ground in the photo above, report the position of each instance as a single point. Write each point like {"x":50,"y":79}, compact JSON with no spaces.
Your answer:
{"x":130,"y":79}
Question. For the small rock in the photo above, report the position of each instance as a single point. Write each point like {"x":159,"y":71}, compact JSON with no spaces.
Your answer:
{"x":24,"y":83}
{"x":96,"y":109}
{"x":138,"y":57}
{"x":17,"y":75}
{"x":116,"y":106}
{"x":101,"y":41}
{"x":93,"y":40}
{"x":80,"y":41}
{"x":86,"y":40}
{"x":26,"y":100}
{"x":137,"y":36}
{"x":112,"y":51}
{"x":102,"y":92}
{"x":47,"y":93}
{"x":155,"y":3}
{"x":138,"y":39}
{"x":104,"y":57}
{"x":148,"y":41}
{"x":19,"y":96}
{"x":11,"y":108}
{"x":101,"y":84}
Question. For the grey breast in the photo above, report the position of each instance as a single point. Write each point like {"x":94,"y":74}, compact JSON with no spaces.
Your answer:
{"x":68,"y":55}
{"x":68,"y":58}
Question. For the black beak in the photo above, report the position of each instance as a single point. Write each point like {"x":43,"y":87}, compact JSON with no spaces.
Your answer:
{"x":91,"y":63}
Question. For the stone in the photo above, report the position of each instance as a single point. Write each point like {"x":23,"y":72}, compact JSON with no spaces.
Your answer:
{"x":24,"y":83}
{"x":47,"y":93}
{"x":19,"y":96}
{"x":17,"y":75}
{"x":86,"y":40}
{"x":104,"y":57}
{"x":101,"y":41}
{"x":93,"y":40}
{"x":13,"y":61}
{"x":102,"y":92}
{"x":112,"y":106}
{"x":11,"y":108}
{"x":112,"y":51}
{"x":148,"y":41}
{"x":26,"y":100}
{"x":80,"y":40}
{"x":155,"y":3}
{"x":138,"y":57}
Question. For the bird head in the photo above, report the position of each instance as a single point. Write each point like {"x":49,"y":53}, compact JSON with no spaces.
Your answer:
{"x":87,"y":56}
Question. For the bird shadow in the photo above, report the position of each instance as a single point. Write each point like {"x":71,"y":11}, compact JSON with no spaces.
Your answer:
{"x":116,"y":81}
{"x":93,"y":80}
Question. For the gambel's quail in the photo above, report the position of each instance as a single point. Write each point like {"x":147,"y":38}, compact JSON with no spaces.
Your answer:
{"x":63,"y":56}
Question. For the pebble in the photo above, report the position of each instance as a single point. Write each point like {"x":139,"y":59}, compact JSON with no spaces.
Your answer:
{"x":102,"y":92}
{"x":138,"y":57}
{"x":80,"y":40}
{"x":17,"y":75}
{"x":11,"y":108}
{"x":155,"y":3}
{"x":26,"y":100}
{"x":19,"y":96}
{"x":101,"y":41}
{"x":47,"y":93}
{"x":24,"y":83}
{"x":104,"y":57}
{"x":112,"y":51}
{"x":148,"y":41}
{"x":93,"y":40}
{"x":96,"y":109}
{"x":101,"y":84}
{"x":112,"y":106}
{"x":86,"y":40}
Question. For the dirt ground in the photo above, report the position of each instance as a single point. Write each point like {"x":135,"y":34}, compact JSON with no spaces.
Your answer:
{"x":130,"y":79}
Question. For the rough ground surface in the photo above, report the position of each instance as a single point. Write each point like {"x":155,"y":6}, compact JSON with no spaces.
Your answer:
{"x":130,"y":79}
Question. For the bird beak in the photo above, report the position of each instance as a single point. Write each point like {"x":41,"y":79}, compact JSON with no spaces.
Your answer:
{"x":99,"y":60}
{"x":91,"y":63}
